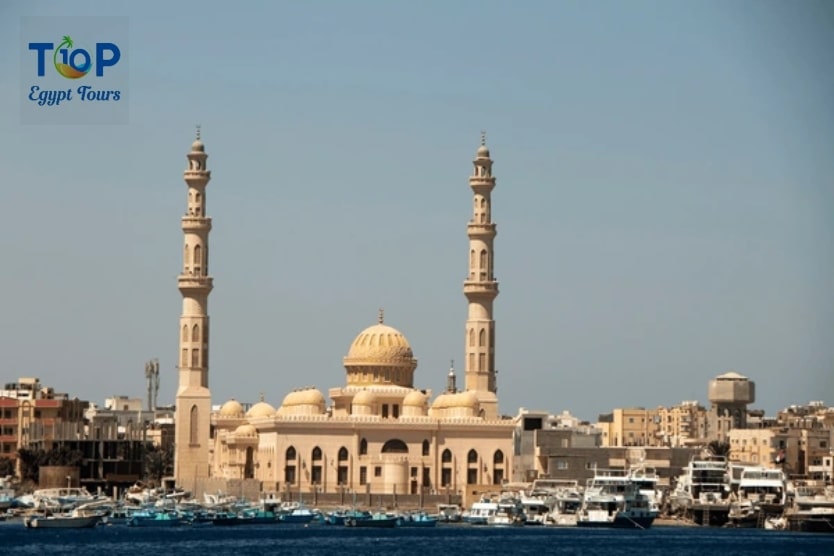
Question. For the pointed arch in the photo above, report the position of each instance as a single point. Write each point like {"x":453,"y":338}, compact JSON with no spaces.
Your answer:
{"x":316,"y":454}
{"x":194,"y":426}
{"x":471,"y":337}
{"x":343,"y":454}
{"x":482,"y":337}
{"x":426,"y":447}
{"x":186,"y":255}
{"x":483,"y":261}
{"x":363,"y":447}
{"x":498,"y":457}
{"x":195,"y":333}
{"x":472,"y":456}
{"x":184,"y":333}
{"x":447,"y":456}
{"x":290,"y":454}
{"x":198,"y":255}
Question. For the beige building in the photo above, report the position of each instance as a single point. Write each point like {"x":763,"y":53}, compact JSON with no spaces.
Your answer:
{"x":729,"y":396}
{"x":765,"y":447}
{"x":379,"y":432}
{"x":682,"y":425}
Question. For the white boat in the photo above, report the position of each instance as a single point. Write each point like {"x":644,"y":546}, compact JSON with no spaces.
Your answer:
{"x":612,"y":499}
{"x":450,"y":513}
{"x":509,"y":513}
{"x":762,"y":494}
{"x":480,"y":512}
{"x":703,"y":491}
{"x":559,"y":498}
{"x":646,"y":479}
{"x":64,"y":497}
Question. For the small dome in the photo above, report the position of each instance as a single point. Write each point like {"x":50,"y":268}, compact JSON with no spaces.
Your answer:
{"x":197,"y":146}
{"x":415,"y":398}
{"x":442,"y":401}
{"x":466,"y":399}
{"x":231,"y":408}
{"x":246,"y":430}
{"x":309,"y":396}
{"x":364,"y":397}
{"x":483,"y":152}
{"x":260,"y":410}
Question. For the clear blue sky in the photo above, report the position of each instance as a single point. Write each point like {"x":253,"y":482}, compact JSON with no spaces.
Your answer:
{"x":665,"y":197}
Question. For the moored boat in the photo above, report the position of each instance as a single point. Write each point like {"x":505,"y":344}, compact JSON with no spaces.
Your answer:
{"x":61,"y":521}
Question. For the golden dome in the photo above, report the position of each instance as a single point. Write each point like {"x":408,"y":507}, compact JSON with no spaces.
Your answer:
{"x":308,"y":396}
{"x":260,"y":410}
{"x":415,"y":398}
{"x":380,"y":344}
{"x":246,"y":430}
{"x":231,"y":408}
{"x":364,"y":397}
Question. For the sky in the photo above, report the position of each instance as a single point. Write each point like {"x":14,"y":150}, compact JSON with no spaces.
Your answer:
{"x":664,"y":198}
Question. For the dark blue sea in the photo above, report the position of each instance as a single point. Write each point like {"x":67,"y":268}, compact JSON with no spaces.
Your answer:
{"x":442,"y":540}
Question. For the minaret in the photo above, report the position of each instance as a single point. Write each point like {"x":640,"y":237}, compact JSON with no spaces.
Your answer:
{"x":481,"y":288}
{"x":193,"y":402}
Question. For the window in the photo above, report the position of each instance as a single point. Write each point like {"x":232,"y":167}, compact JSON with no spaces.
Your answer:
{"x":194,"y":438}
{"x":426,"y":447}
{"x":316,"y":455}
{"x":447,"y":456}
{"x":363,"y":447}
{"x":498,"y":458}
{"x":290,"y":454}
{"x":385,"y":411}
{"x":395,"y":446}
{"x":377,"y":471}
{"x":445,"y":477}
{"x":395,"y":411}
{"x":472,"y":476}
{"x":343,"y":454}
{"x":363,"y":475}
{"x":561,"y":464}
{"x":472,"y":457}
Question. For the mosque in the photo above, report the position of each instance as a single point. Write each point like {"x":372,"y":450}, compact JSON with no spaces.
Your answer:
{"x":379,"y":432}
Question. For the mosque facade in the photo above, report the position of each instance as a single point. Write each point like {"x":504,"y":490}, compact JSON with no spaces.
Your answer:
{"x":379,"y":432}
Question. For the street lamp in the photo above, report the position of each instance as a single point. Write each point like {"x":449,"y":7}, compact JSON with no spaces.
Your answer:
{"x":69,"y":481}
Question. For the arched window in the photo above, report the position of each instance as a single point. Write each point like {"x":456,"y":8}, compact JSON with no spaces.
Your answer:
{"x":198,"y":255}
{"x":471,"y":258}
{"x":290,"y":454}
{"x":343,"y":454}
{"x":482,"y":337}
{"x":498,"y":457}
{"x":249,"y":465}
{"x":426,"y":447}
{"x":472,"y":337}
{"x":195,"y":333}
{"x":316,"y":456}
{"x":363,"y":447}
{"x":184,"y":333}
{"x":395,"y":446}
{"x":472,"y":457}
{"x":193,"y":436}
{"x":483,"y":258}
{"x":187,"y":252}
{"x":447,"y":456}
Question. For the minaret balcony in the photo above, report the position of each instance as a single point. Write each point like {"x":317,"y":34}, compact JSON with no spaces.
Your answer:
{"x":481,"y":229}
{"x":196,"y":223}
{"x":195,"y":283}
{"x":480,"y":288}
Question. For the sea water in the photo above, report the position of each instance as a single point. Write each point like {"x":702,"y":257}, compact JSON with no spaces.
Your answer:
{"x":454,"y":540}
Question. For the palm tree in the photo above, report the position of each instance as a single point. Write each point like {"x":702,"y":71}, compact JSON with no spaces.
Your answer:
{"x":719,"y":448}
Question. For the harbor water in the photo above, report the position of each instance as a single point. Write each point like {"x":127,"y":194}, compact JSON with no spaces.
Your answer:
{"x":458,"y":540}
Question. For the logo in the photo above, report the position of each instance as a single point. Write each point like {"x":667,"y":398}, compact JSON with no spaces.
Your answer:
{"x":75,"y":63}
{"x":74,"y":69}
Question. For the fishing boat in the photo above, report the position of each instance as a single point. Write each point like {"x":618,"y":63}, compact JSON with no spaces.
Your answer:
{"x":72,"y":520}
{"x":153,"y":518}
{"x":418,"y":519}
{"x":377,"y":520}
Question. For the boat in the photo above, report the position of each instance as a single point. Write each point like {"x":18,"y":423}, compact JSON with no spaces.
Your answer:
{"x":646,"y":479}
{"x":612,"y":499}
{"x":480,"y":512}
{"x":418,"y":519}
{"x":449,"y":513}
{"x":299,"y":515}
{"x":378,"y":520}
{"x":63,"y":497}
{"x":72,"y":520}
{"x":153,"y":518}
{"x":762,"y":494}
{"x":702,"y":493}
{"x":508,"y":514}
{"x":552,"y":502}
{"x":813,"y":510}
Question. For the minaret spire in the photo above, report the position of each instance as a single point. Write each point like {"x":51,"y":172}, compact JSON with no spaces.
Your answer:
{"x":381,"y":317}
{"x":481,"y":288}
{"x":451,"y":380}
{"x":193,"y":401}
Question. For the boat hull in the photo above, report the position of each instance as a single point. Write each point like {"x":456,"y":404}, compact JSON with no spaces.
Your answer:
{"x":87,"y":522}
{"x":620,"y":522}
